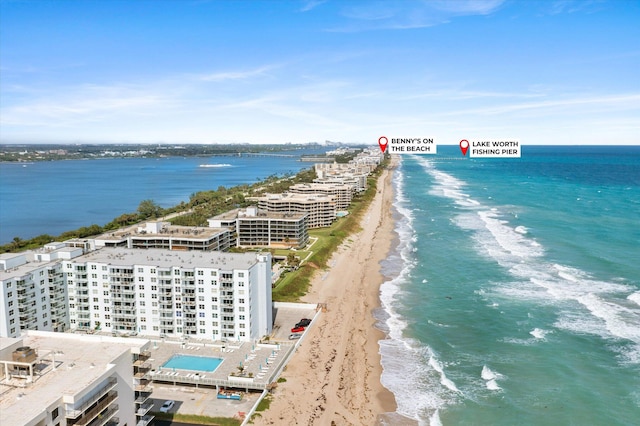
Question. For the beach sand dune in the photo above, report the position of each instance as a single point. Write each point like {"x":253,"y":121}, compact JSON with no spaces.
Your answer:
{"x":334,"y":378}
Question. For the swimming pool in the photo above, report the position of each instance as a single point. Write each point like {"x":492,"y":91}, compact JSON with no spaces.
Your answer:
{"x":189,"y":362}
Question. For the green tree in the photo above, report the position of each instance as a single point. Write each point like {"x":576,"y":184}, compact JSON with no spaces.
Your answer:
{"x":149,"y":209}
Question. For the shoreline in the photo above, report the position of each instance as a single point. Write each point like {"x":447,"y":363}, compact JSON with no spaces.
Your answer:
{"x":335,"y":375}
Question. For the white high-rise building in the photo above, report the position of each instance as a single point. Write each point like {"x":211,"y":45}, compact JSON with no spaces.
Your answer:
{"x":33,"y":295}
{"x":208,"y":295}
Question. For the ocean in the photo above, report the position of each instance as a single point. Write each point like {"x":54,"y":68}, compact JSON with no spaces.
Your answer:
{"x":513,"y":294}
{"x":57,"y":196}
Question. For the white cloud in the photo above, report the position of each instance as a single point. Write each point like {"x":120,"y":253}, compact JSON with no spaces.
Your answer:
{"x":399,"y":15}
{"x":311,"y":4}
{"x":235,"y":75}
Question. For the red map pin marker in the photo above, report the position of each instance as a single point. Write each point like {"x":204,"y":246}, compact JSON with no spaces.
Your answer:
{"x":383,"y":142}
{"x":464,"y":146}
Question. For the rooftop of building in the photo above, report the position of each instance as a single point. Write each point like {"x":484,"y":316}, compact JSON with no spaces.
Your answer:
{"x":25,"y":268}
{"x":163,"y":229}
{"x":162,"y":258}
{"x":79,"y":361}
{"x":292,"y":196}
{"x":256,"y":213}
{"x":321,"y":185}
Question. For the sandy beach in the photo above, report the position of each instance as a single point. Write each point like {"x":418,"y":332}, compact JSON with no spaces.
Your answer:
{"x":334,"y":378}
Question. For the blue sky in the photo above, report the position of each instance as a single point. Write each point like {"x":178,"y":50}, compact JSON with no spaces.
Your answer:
{"x":544,"y":72}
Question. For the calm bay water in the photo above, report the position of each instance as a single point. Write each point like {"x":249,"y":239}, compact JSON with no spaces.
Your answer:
{"x":516,"y":297}
{"x":54,"y":197}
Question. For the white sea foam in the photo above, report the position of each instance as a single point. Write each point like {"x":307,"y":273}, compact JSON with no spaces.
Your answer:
{"x":493,"y":385}
{"x":418,"y":393}
{"x":635,"y":297}
{"x":491,"y":378}
{"x":521,"y":230}
{"x":444,"y":380}
{"x":434,"y":420}
{"x":610,"y":306}
{"x":539,"y":333}
{"x":489,"y":374}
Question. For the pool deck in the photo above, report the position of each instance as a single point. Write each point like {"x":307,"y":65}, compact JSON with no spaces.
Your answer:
{"x":261,"y":362}
{"x":195,"y":392}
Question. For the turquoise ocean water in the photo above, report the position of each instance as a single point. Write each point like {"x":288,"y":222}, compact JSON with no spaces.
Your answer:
{"x":514,"y":289}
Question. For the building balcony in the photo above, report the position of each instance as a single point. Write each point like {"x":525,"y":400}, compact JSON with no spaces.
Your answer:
{"x":144,"y":408}
{"x":143,"y":395}
{"x":107,"y":388}
{"x":103,"y":418}
{"x":145,"y":421}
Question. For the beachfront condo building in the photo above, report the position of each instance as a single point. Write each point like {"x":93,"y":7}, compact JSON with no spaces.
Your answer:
{"x":341,"y":193}
{"x":163,"y":235}
{"x":162,"y":293}
{"x":53,"y":379}
{"x":256,"y":228}
{"x":320,"y":209}
{"x":34,"y":294}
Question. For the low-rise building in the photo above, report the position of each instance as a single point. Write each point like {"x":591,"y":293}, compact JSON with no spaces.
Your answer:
{"x":256,"y":228}
{"x":51,"y":379}
{"x":341,"y":192}
{"x":320,"y":209}
{"x":163,"y":235}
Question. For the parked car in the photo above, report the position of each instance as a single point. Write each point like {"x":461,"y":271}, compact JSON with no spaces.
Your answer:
{"x":303,"y":322}
{"x":297,"y":329}
{"x":295,"y":336}
{"x":168,"y":405}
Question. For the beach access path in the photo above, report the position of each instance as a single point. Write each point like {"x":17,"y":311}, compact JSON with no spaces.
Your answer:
{"x":334,"y":377}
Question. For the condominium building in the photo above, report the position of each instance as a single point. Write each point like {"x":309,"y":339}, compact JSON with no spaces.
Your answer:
{"x":256,"y":228}
{"x":34,"y":294}
{"x":163,"y":235}
{"x":209,"y":295}
{"x":57,"y":379}
{"x":342,"y":193}
{"x":320,"y":209}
